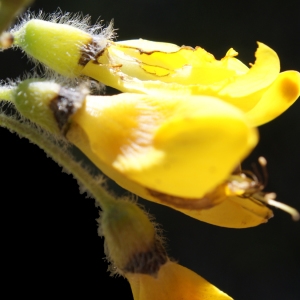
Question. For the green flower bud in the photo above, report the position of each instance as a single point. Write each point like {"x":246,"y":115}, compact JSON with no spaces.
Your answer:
{"x":45,"y":103}
{"x":62,"y":47}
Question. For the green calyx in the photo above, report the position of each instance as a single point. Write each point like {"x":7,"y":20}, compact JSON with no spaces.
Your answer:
{"x":32,"y":99}
{"x":131,"y":240}
{"x":44,"y":103}
{"x":58,"y":46}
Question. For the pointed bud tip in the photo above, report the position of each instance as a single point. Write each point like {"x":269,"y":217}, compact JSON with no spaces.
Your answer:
{"x":58,"y":46}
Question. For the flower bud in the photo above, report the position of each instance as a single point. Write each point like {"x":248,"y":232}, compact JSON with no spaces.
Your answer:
{"x":130,"y":239}
{"x":63,"y":48}
{"x":45,"y":103}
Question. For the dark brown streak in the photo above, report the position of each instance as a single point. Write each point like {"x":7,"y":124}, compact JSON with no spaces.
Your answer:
{"x":90,"y":52}
{"x":63,"y":107}
{"x":180,"y":202}
{"x":148,"y":262}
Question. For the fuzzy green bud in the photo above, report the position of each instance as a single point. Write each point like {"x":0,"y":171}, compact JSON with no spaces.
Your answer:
{"x":46,"y":103}
{"x":130,"y":239}
{"x":61,"y":47}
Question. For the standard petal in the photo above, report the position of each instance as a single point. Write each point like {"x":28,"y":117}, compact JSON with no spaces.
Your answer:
{"x":170,"y":63}
{"x":186,"y":71}
{"x":132,"y":65}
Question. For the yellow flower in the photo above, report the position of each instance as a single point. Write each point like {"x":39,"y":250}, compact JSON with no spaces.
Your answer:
{"x":165,"y":69}
{"x":175,"y":282}
{"x":173,"y":150}
{"x":173,"y":145}
{"x":160,"y":69}
{"x":176,"y":151}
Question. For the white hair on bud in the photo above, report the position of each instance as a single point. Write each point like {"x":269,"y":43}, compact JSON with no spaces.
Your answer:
{"x":98,"y":31}
{"x":77,"y":20}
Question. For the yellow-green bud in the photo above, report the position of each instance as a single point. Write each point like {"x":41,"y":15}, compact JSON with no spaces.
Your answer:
{"x":130,"y":239}
{"x":61,"y":47}
{"x":46,"y":103}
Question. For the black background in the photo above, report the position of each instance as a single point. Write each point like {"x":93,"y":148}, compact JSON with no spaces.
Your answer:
{"x":49,"y":232}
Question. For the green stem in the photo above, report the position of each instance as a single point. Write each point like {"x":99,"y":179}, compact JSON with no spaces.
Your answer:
{"x":6,"y":93}
{"x":60,"y":155}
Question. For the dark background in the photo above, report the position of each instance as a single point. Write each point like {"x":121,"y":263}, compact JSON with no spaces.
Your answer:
{"x":49,"y":232}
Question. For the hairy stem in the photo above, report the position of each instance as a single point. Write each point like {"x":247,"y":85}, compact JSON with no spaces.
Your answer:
{"x":59,"y":155}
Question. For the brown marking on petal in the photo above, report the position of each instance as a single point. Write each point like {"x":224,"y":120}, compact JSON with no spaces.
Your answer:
{"x":141,"y":51}
{"x":149,"y":52}
{"x":205,"y":202}
{"x":91,"y":51}
{"x":100,"y":53}
{"x":154,"y":51}
{"x":147,"y":262}
{"x":64,"y":105}
{"x":144,"y":51}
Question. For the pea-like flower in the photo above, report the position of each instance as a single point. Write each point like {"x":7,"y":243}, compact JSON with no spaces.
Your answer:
{"x":188,"y":124}
{"x":160,"y":69}
{"x":173,"y":150}
{"x":175,"y":147}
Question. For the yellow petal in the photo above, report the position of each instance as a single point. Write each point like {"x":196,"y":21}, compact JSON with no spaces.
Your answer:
{"x":164,"y":69}
{"x":264,"y":71}
{"x":194,"y":146}
{"x":152,"y":61}
{"x":233,"y":212}
{"x":184,"y":65}
{"x":173,"y":282}
{"x":181,"y":148}
{"x":279,"y":97}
